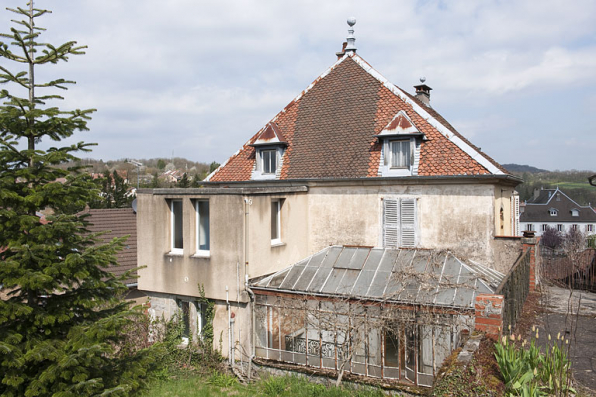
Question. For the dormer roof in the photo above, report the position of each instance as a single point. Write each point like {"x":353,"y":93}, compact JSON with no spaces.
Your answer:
{"x":400,"y":125}
{"x":331,"y":131}
{"x":270,"y":135}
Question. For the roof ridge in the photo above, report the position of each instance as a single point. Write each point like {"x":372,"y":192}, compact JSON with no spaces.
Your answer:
{"x":453,"y":136}
{"x":277,"y":115}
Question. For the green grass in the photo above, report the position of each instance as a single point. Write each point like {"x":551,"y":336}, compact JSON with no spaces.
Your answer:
{"x":572,"y":185}
{"x":225,"y":385}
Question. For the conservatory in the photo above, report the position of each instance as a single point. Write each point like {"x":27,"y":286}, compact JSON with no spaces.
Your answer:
{"x":393,"y":314}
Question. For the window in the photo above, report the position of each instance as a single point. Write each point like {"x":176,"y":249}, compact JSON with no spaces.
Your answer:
{"x":399,"y":154}
{"x":192,"y":318}
{"x":574,"y":213}
{"x":589,"y":228}
{"x":176,"y":226}
{"x":276,"y":221}
{"x":269,"y":161}
{"x":184,"y":307}
{"x":544,"y":227}
{"x":574,"y":227}
{"x":399,"y":223}
{"x":553,"y":212}
{"x":529,"y":227}
{"x":560,"y":227}
{"x":202,"y":210}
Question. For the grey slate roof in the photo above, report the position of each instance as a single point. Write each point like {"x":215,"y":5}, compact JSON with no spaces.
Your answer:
{"x":538,"y":209}
{"x":410,"y":276}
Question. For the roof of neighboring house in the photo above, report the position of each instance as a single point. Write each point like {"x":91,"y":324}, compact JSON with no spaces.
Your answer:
{"x":410,"y":276}
{"x":119,"y":222}
{"x":330,"y":131}
{"x":538,"y":209}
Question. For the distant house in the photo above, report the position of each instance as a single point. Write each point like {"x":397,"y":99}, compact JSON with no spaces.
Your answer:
{"x":119,"y":222}
{"x":171,"y":176}
{"x":553,"y":208}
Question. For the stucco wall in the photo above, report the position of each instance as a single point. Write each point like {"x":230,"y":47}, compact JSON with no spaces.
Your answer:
{"x":455,"y":217}
{"x":506,"y":251}
{"x":582,"y":226}
{"x":181,"y":274}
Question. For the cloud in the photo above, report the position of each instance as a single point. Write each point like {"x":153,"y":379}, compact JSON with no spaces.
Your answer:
{"x":201,"y":77}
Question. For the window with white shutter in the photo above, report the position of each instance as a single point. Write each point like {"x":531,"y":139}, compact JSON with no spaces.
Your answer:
{"x":408,"y":223}
{"x":391,"y":223}
{"x":399,"y":223}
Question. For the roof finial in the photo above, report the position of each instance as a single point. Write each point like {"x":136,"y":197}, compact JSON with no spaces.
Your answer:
{"x":351,"y":48}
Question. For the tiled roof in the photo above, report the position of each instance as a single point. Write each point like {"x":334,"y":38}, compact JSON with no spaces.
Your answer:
{"x":119,"y":222}
{"x":330,"y":131}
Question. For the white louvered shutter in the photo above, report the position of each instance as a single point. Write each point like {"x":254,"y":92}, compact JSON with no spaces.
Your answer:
{"x":390,"y":223}
{"x":408,"y":223}
{"x":515,"y":215}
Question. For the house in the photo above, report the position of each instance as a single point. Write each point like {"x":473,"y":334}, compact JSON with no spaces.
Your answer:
{"x":553,"y":208}
{"x":355,"y":161}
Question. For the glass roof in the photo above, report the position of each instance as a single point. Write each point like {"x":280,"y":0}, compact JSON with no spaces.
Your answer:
{"x":399,"y":275}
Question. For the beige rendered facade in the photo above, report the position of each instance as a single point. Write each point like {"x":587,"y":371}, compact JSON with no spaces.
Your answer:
{"x":456,"y":214}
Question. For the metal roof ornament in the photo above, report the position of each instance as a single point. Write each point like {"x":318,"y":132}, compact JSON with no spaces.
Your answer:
{"x":351,"y":47}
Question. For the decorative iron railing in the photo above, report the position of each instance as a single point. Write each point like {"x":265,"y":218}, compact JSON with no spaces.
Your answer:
{"x":315,"y":347}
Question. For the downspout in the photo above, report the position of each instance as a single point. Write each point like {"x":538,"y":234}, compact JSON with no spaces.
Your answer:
{"x":229,"y":326}
{"x":247,"y":204}
{"x":252,"y":325}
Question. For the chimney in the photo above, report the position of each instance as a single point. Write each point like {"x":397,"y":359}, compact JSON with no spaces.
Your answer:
{"x":423,"y":92}
{"x":536,"y":193}
{"x":351,"y":47}
{"x":342,"y":52}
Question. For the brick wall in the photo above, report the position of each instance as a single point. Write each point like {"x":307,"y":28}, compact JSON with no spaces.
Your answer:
{"x":531,"y":243}
{"x":489,"y":315}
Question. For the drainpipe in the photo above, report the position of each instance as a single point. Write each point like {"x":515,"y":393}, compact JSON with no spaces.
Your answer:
{"x":252,"y":324}
{"x":229,"y":325}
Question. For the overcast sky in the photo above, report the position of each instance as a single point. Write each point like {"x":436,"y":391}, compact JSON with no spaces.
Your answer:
{"x":197,"y":79}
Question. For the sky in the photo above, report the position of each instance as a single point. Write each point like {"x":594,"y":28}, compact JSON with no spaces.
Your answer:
{"x":197,"y":79}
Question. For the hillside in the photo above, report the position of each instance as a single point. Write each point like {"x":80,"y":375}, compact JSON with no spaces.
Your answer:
{"x":519,"y":168}
{"x":574,"y":183}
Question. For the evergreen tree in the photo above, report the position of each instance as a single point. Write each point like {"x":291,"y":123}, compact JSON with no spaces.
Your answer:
{"x":155,"y":180}
{"x":184,"y":182}
{"x":213,"y":166}
{"x":113,"y":192}
{"x":61,"y":324}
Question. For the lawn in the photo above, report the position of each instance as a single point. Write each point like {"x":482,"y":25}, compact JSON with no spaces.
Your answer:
{"x":188,"y":384}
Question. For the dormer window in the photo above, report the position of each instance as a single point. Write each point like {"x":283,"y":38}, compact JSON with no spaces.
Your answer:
{"x":401,"y":145}
{"x":553,"y":212}
{"x":269,"y":149}
{"x":269,"y":161}
{"x":400,"y":154}
{"x":574,"y":212}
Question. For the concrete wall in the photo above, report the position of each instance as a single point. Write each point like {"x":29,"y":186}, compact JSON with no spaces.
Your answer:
{"x":163,"y":307}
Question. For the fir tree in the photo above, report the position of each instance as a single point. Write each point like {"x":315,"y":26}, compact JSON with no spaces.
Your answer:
{"x":61,"y":323}
{"x":113,"y":192}
{"x":184,"y":182}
